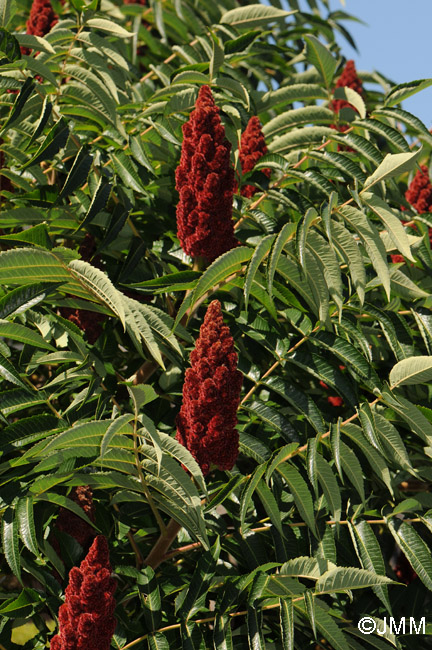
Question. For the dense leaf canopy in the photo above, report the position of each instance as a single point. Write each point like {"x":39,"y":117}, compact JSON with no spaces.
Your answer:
{"x":326,"y":515}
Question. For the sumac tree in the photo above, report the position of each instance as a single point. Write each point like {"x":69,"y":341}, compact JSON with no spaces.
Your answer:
{"x":215,"y":331}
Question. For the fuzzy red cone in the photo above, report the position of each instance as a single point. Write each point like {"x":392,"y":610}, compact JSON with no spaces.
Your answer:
{"x":41,"y":20}
{"x":211,"y":394}
{"x":419,"y":195}
{"x":88,"y":321}
{"x":86,"y":619}
{"x":205,"y":182}
{"x":419,"y":192}
{"x":348,"y":79}
{"x":252,"y":148}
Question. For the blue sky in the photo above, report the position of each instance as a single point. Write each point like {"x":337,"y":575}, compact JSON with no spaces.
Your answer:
{"x":396,"y":42}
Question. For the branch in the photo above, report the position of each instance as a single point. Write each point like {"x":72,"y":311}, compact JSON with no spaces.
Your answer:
{"x":157,"y":554}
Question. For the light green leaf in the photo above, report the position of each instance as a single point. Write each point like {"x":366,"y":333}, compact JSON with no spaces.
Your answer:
{"x":10,"y":542}
{"x":36,"y":43}
{"x":272,"y":417}
{"x":25,"y":265}
{"x":270,"y":505}
{"x":369,"y":551}
{"x":158,"y":641}
{"x":326,"y":258}
{"x":414,"y":548}
{"x":217,"y":57}
{"x":320,"y":57}
{"x":175,"y":449}
{"x":411,"y":371}
{"x":402,"y":91}
{"x":303,"y":227}
{"x":223,"y":267}
{"x":254,"y":622}
{"x":403,"y":286}
{"x":398,"y":114}
{"x":329,"y":486}
{"x":285,"y":234}
{"x":222,"y":635}
{"x":259,"y":254}
{"x":113,"y":429}
{"x":7,"y":7}
{"x":412,"y":415}
{"x":372,"y":242}
{"x":341,"y":579}
{"x":300,"y":492}
{"x":253,"y":16}
{"x":392,"y":165}
{"x":287,"y":623}
{"x":352,"y":97}
{"x":100,"y":285}
{"x":373,"y":457}
{"x":23,"y":334}
{"x":352,"y":469}
{"x":310,"y":609}
{"x":247,"y":493}
{"x":109,"y":26}
{"x":295,"y":116}
{"x":393,"y":136}
{"x":127,"y":171}
{"x":139,"y":329}
{"x":26,"y":526}
{"x":394,"y":227}
{"x":289,"y":94}
{"x":301,"y":138}
{"x":392,"y":441}
{"x":348,"y":247}
{"x":8,"y":372}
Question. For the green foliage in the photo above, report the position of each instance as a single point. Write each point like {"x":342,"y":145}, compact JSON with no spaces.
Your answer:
{"x":327,"y":511}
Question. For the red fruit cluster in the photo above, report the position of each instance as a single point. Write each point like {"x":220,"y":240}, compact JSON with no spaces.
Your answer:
{"x":348,"y":79}
{"x":41,"y":20}
{"x":252,"y":148}
{"x":68,"y":522}
{"x":211,"y":394}
{"x":205,"y":182}
{"x":88,"y":321}
{"x":419,"y":193}
{"x":86,"y":620}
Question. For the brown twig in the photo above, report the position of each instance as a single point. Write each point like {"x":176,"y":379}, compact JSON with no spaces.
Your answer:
{"x":157,"y":554}
{"x":200,"y":621}
{"x":296,"y":524}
